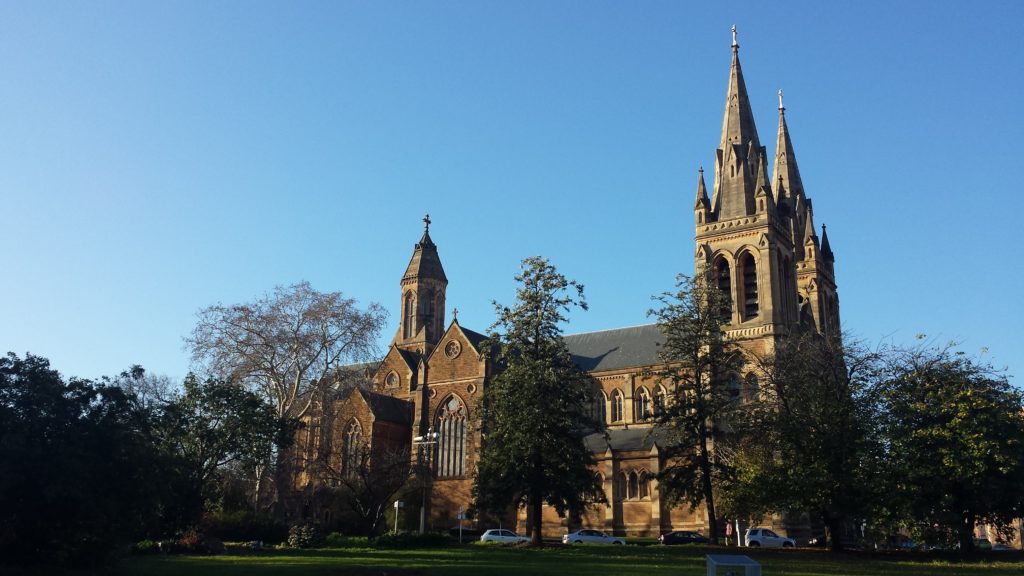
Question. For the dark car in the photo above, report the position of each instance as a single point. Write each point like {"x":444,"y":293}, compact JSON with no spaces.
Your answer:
{"x":682,"y":537}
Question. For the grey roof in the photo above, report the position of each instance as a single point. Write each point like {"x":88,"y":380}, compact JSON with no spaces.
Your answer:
{"x":614,"y":349}
{"x":623,"y":440}
{"x":474,"y":337}
{"x":388,"y":408}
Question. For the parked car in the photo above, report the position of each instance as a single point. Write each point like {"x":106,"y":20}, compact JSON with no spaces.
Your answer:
{"x":755,"y":537}
{"x":682,"y":537}
{"x":982,"y":544}
{"x":590,"y":537}
{"x":505,"y":536}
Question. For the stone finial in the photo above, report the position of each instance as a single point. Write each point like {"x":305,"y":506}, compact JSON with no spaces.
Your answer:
{"x":734,"y":44}
{"x":781,"y":107}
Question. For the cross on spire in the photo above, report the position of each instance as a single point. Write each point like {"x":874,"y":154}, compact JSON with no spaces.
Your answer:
{"x":781,"y":107}
{"x":734,"y":44}
{"x":426,"y":222}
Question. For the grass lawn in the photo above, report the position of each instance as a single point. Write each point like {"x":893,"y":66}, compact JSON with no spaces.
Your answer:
{"x":496,"y":560}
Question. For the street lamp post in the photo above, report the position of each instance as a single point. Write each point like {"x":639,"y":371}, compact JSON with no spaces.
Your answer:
{"x":429,"y":439}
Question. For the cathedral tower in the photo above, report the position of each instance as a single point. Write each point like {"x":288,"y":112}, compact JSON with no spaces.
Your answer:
{"x":423,"y":293}
{"x":757,"y":243}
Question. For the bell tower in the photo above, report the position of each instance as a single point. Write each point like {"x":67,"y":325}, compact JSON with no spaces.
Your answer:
{"x":423,"y":294}
{"x":757,"y":240}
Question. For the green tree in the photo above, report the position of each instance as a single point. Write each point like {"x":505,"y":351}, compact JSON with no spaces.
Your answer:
{"x":806,"y":440}
{"x":536,"y":406}
{"x":79,"y":475}
{"x":212,"y":425}
{"x":954,"y":431}
{"x":701,"y":373}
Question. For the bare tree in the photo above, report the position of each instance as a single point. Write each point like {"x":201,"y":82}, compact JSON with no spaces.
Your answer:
{"x":287,"y":346}
{"x":365,"y":482}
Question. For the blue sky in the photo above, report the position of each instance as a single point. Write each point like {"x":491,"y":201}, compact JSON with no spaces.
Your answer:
{"x":156,"y":158}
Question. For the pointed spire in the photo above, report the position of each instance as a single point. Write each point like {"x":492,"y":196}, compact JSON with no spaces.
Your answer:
{"x":786,"y":171}
{"x":763,"y":195}
{"x":425,"y":262}
{"x":826,"y":248}
{"x":702,"y":192}
{"x":738,"y":151}
{"x":738,"y":122}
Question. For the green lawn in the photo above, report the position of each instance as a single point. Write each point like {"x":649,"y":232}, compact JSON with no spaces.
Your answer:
{"x":557,"y":561}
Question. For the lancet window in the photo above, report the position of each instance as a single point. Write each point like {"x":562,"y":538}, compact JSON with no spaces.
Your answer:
{"x":451,"y":442}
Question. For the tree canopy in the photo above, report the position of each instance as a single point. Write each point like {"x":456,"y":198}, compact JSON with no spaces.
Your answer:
{"x":535,"y":407}
{"x":806,"y":438}
{"x":954,"y":431}
{"x":701,"y":369}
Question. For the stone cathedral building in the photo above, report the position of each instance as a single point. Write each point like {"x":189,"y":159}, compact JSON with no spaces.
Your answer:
{"x":755,"y":232}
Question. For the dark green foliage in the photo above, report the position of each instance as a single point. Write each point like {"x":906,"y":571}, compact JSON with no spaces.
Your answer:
{"x":807,"y":440}
{"x":146,"y":547}
{"x":212,"y":425}
{"x":700,"y":366}
{"x":535,"y":408}
{"x":79,"y":479}
{"x":412,"y":540}
{"x":243,"y":526}
{"x":955,"y":444}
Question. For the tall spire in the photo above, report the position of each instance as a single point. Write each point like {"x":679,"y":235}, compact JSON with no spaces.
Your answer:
{"x":738,"y":122}
{"x":739,"y":150}
{"x":787,"y":174}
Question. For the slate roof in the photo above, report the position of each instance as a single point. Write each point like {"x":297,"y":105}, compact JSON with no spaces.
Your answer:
{"x":475,"y":338}
{"x":624,"y":440}
{"x":614,"y":349}
{"x":388,"y":408}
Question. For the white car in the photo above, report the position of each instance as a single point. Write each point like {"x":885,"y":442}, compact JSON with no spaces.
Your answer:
{"x":764,"y":537}
{"x":505,"y":536}
{"x":590,"y":537}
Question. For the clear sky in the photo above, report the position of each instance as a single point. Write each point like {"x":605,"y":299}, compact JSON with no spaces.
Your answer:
{"x":159,"y":157}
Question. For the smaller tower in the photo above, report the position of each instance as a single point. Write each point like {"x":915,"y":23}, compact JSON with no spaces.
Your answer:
{"x":423,"y":294}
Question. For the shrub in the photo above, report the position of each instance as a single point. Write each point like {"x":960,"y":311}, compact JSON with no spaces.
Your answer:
{"x":145,"y":547}
{"x":412,"y":540}
{"x":243,"y":526}
{"x":304,"y":536}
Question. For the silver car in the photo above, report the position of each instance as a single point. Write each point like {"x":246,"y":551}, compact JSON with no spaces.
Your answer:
{"x":587,"y":536}
{"x":764,"y":537}
{"x":505,"y":536}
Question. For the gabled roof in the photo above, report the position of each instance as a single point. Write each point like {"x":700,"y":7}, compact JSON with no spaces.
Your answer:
{"x":388,"y":408}
{"x":613,"y":349}
{"x":623,"y":440}
{"x":475,"y":338}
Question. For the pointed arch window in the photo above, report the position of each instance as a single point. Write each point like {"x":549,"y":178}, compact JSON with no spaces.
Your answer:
{"x":723,"y":278}
{"x":660,"y":399}
{"x":409,"y":316}
{"x":616,"y":406}
{"x":633,"y":489}
{"x":601,"y":408}
{"x":620,"y":486}
{"x":750,"y":302}
{"x":450,"y":423}
{"x":751,"y":385}
{"x":733,"y":388}
{"x":644,"y":485}
{"x":643,"y":405}
{"x":353,"y":449}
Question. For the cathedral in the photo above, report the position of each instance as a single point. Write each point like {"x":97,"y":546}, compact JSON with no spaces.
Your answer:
{"x":755,"y":234}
